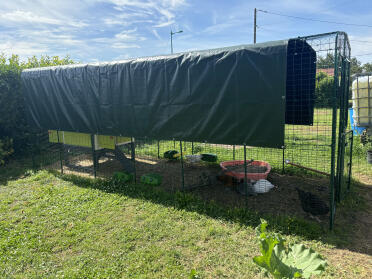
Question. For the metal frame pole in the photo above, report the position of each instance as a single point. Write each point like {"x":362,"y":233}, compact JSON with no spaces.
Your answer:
{"x":350,"y":159}
{"x":94,"y":155}
{"x":133,"y":147}
{"x":171,"y":33}
{"x":60,"y":152}
{"x":182,"y":168}
{"x":333,"y":144}
{"x":245,"y":176}
{"x":283,"y":160}
{"x":255,"y":25}
{"x":158,"y":149}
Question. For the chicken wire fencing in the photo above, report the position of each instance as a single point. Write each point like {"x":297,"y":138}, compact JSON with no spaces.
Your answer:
{"x":305,"y":178}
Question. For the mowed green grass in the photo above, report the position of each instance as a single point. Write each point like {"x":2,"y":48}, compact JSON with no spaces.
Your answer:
{"x":69,"y":227}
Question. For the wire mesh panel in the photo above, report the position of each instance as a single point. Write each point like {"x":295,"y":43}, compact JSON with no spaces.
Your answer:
{"x":46,"y":152}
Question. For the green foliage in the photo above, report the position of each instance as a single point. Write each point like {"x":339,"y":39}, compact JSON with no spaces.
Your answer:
{"x":329,"y":59}
{"x":45,"y":61}
{"x":6,"y":149}
{"x":367,"y":67}
{"x":198,"y":148}
{"x":13,"y":120}
{"x":193,"y":274}
{"x":122,"y":177}
{"x":151,"y":179}
{"x":294,"y":261}
{"x":324,"y":90}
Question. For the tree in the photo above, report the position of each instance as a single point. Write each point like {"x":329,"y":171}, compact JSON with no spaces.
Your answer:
{"x":15,"y":134}
{"x":324,"y":90}
{"x":355,"y":66}
{"x":329,"y":60}
{"x":367,"y":67}
{"x":326,"y":62}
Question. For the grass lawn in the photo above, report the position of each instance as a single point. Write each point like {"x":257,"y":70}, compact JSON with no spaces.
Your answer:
{"x":54,"y":226}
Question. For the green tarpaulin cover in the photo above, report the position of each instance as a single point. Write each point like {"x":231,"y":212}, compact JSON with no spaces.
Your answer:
{"x":232,"y":95}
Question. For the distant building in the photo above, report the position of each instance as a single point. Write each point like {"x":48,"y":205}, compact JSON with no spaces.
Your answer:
{"x":328,"y":71}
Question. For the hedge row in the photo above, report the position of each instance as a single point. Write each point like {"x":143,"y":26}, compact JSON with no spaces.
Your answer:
{"x":15,"y":134}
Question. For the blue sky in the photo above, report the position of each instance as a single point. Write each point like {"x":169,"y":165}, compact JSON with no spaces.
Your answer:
{"x":106,"y":30}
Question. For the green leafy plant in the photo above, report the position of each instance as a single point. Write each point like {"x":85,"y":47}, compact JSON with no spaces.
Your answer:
{"x":193,"y":274}
{"x":13,"y":120}
{"x":6,"y":149}
{"x":282,"y":261}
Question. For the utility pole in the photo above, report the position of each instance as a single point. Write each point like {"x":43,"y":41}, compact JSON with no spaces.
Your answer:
{"x":254,"y":25}
{"x":171,"y":35}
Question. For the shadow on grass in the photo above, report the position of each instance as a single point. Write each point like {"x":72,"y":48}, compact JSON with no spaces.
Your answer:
{"x":14,"y":169}
{"x":340,"y":237}
{"x":343,"y":235}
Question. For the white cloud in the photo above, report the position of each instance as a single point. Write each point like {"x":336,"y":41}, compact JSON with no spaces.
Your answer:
{"x":129,"y":36}
{"x":124,"y":45}
{"x":156,"y":34}
{"x":27,"y":17}
{"x":164,"y":24}
{"x":22,"y":48}
{"x":160,"y":12}
{"x":104,"y":29}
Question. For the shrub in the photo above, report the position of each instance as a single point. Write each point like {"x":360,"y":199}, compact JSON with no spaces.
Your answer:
{"x":6,"y":149}
{"x":15,"y":133}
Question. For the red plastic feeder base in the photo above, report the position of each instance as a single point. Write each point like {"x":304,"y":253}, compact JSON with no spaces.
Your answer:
{"x":240,"y":175}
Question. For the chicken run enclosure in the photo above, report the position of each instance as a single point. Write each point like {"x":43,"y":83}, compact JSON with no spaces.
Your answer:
{"x":234,"y":125}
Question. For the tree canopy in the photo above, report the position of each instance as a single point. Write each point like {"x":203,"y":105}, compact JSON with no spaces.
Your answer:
{"x":356,"y":66}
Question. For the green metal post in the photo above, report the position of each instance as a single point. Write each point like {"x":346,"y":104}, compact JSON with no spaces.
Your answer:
{"x":283,"y":159}
{"x":350,"y":159}
{"x":192,"y":147}
{"x":33,"y":153}
{"x":333,"y":144}
{"x":234,"y":152}
{"x":94,"y":155}
{"x":245,"y":176}
{"x":341,"y":138}
{"x":60,"y":152}
{"x":158,"y":149}
{"x":182,"y":170}
{"x":133,"y":145}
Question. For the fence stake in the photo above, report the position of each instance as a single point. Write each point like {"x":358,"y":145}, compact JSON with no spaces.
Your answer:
{"x":182,"y":170}
{"x":60,"y":152}
{"x":283,"y":159}
{"x":234,"y":152}
{"x":158,"y":149}
{"x":351,"y":159}
{"x":245,"y":176}
{"x":94,"y":156}
{"x":192,"y":147}
{"x":333,"y":145}
{"x":33,"y":153}
{"x":133,"y":147}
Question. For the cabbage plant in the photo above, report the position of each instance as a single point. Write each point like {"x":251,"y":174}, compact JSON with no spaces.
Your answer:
{"x":281,"y":261}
